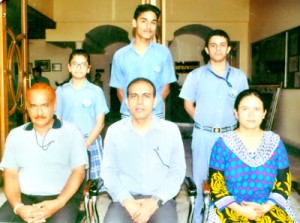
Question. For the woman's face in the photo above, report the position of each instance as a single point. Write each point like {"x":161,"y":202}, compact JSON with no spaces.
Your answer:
{"x":250,"y":112}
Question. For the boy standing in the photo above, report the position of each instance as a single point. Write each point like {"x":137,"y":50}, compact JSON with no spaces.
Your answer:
{"x":83,"y":103}
{"x":143,"y":58}
{"x":209,"y":93}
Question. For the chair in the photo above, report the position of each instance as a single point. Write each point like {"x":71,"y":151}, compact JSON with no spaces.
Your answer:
{"x":95,"y":187}
{"x":206,"y":199}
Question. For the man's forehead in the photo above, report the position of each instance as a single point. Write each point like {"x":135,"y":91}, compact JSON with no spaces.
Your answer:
{"x":141,"y":87}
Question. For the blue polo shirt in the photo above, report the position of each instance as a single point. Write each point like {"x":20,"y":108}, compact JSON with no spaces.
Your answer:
{"x":156,"y":65}
{"x":214,"y":96}
{"x":80,"y":106}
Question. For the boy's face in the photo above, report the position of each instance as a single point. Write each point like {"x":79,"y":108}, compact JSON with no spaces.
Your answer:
{"x":217,"y":48}
{"x":145,"y":25}
{"x":79,"y":67}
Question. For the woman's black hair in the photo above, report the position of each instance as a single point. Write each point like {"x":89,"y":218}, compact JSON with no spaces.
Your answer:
{"x":246,"y":93}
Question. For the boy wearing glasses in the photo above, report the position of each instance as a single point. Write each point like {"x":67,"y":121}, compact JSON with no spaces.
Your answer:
{"x":83,"y":103}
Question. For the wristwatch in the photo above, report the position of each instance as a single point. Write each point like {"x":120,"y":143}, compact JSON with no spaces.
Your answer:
{"x":159,"y":202}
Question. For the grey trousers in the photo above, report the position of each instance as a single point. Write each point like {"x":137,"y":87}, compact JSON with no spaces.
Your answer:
{"x":167,"y":213}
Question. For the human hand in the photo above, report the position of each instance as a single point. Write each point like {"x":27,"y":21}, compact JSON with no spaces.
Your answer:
{"x":31,"y":214}
{"x":253,"y":210}
{"x":48,"y":208}
{"x":146,"y":210}
{"x":131,"y":205}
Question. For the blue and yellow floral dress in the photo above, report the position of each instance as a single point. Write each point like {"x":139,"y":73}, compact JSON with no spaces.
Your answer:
{"x":237,"y":175}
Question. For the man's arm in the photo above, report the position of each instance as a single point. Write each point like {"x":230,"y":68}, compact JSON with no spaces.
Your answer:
{"x":120,"y":94}
{"x":12,"y":187}
{"x":190,"y":108}
{"x":50,"y":207}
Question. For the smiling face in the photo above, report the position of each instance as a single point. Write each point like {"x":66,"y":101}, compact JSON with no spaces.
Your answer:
{"x":217,"y":48}
{"x":145,"y":25}
{"x":250,"y":112}
{"x":79,"y":67}
{"x":141,"y":100}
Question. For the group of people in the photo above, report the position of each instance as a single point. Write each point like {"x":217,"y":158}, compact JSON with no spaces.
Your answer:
{"x":142,"y":162}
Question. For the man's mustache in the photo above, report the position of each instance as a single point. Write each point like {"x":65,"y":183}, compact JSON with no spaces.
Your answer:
{"x":39,"y":117}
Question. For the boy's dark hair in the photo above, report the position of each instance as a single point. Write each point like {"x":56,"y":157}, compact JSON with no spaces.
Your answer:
{"x":37,"y":69}
{"x":142,"y":79}
{"x":217,"y":32}
{"x":80,"y":52}
{"x":145,"y":8}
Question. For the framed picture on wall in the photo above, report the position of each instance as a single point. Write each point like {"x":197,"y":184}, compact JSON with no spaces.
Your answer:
{"x":56,"y":67}
{"x":30,"y":68}
{"x":293,"y":64}
{"x":43,"y":64}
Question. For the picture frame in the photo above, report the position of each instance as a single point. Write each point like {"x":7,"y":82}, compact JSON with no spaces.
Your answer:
{"x":56,"y":67}
{"x":43,"y":64}
{"x":293,"y":64}
{"x":30,"y":68}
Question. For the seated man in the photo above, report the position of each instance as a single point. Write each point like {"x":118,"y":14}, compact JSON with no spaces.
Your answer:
{"x":44,"y":164}
{"x":143,"y":162}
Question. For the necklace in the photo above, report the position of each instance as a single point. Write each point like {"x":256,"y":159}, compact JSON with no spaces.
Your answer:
{"x":44,"y":147}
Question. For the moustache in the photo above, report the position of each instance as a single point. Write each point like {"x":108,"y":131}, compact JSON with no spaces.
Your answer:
{"x":39,"y":117}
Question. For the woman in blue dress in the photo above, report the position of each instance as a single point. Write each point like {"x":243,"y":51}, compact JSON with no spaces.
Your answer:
{"x":249,"y":169}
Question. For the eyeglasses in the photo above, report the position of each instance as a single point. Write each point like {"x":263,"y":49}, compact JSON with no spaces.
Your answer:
{"x":80,"y":65}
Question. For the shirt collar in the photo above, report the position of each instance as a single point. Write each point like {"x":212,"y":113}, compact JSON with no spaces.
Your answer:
{"x":208,"y":66}
{"x":56,"y":124}
{"x":155,"y":123}
{"x":133,"y":40}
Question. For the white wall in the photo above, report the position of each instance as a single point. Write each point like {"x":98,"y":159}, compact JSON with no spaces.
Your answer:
{"x":41,"y":50}
{"x":287,"y":118}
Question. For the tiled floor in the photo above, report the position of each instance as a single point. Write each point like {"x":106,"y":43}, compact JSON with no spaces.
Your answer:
{"x":182,"y":200}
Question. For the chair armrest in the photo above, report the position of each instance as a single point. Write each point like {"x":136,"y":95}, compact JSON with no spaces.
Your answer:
{"x":93,"y":186}
{"x":191,"y":186}
{"x":206,"y":187}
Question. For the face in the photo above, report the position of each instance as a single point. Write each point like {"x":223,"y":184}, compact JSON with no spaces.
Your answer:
{"x":79,"y":67}
{"x":217,"y":48}
{"x":40,"y":109}
{"x":250,"y":113}
{"x":141,"y":101}
{"x":36,"y":74}
{"x":145,"y":25}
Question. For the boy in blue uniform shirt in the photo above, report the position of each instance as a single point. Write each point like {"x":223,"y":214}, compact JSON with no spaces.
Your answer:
{"x":209,"y":93}
{"x":83,"y":103}
{"x":143,"y":58}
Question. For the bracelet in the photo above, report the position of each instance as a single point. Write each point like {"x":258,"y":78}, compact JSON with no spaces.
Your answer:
{"x":17,"y":207}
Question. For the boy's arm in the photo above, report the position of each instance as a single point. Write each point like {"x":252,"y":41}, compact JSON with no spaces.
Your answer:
{"x":190,"y":108}
{"x":96,"y":130}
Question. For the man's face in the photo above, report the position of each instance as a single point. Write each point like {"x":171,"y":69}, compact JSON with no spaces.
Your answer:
{"x":40,"y":109}
{"x":145,"y":25}
{"x":35,"y":74}
{"x":217,"y":48}
{"x":141,"y":100}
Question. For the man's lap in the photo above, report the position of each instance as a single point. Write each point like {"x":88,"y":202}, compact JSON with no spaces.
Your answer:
{"x":167,"y":213}
{"x":67,"y":214}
